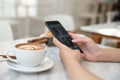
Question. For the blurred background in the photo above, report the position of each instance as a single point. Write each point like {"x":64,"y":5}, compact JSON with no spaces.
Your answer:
{"x":26,"y":16}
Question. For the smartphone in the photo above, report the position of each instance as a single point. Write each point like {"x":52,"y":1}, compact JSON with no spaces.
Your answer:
{"x":61,"y":34}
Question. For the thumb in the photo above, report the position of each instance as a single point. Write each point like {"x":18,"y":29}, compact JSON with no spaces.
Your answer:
{"x":58,"y":43}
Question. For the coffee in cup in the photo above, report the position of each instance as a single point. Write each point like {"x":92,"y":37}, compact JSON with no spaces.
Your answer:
{"x":28,"y":54}
{"x":28,"y":46}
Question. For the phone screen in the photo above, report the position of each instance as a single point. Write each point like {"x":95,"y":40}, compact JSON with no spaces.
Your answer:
{"x":61,"y":34}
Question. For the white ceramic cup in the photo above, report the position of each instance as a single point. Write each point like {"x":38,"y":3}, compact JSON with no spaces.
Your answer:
{"x":28,"y":58}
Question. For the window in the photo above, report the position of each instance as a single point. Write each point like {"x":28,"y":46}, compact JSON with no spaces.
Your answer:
{"x":18,"y":8}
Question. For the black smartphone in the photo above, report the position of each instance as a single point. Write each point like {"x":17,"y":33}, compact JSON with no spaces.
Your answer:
{"x":61,"y":34}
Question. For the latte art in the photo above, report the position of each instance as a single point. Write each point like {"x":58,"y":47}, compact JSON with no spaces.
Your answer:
{"x":28,"y":54}
{"x":30,"y":47}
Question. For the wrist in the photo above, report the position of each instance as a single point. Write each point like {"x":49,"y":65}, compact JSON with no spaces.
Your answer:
{"x":70,"y":62}
{"x":99,"y":55}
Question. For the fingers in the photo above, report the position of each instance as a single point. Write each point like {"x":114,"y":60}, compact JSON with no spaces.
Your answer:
{"x":82,"y":55}
{"x":74,"y":36}
{"x":58,"y":43}
{"x":81,"y":40}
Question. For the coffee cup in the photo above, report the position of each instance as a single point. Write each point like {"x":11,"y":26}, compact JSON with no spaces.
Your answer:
{"x":27,"y":54}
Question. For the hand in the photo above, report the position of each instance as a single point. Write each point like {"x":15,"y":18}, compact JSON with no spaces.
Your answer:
{"x":90,"y":50}
{"x":70,"y":59}
{"x":67,"y":54}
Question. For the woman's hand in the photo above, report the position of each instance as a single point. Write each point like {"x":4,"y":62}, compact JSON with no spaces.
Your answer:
{"x":71,"y":58}
{"x":67,"y":54}
{"x":90,"y":50}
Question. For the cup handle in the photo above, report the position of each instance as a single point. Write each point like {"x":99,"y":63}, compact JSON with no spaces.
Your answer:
{"x":9,"y":58}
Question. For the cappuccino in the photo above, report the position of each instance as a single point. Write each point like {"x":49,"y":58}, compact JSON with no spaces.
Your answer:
{"x":27,"y":46}
{"x":28,"y":54}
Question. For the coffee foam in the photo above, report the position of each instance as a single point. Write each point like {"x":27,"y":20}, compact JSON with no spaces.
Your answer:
{"x":30,"y":47}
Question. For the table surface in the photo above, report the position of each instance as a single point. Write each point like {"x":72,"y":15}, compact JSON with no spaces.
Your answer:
{"x":105,"y":70}
{"x":109,"y":29}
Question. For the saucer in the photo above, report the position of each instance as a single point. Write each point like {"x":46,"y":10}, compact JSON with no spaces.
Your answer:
{"x":45,"y":65}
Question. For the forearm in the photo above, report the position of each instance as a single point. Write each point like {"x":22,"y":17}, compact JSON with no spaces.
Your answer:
{"x":109,"y":54}
{"x":77,"y":72}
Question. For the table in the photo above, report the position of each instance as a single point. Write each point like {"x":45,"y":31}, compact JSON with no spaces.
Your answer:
{"x":107,"y":30}
{"x":105,"y":70}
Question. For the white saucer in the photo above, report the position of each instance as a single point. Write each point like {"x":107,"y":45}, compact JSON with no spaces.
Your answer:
{"x":45,"y":65}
